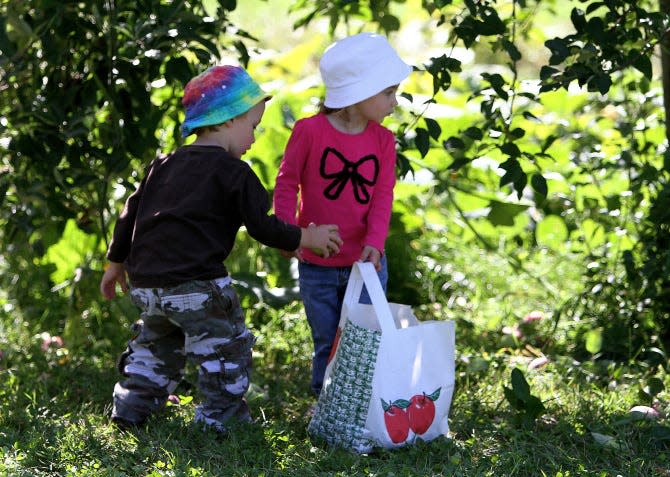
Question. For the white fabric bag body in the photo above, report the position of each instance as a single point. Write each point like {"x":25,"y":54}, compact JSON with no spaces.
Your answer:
{"x":391,"y":378}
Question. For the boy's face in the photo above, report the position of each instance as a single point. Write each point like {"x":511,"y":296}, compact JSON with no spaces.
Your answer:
{"x":243,"y":128}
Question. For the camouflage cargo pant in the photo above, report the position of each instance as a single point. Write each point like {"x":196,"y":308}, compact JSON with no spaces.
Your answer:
{"x":198,"y":320}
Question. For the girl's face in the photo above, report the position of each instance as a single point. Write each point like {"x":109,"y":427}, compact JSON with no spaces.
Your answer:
{"x":377,"y":107}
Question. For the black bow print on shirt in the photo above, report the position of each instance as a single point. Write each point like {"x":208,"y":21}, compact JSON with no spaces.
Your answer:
{"x":347,"y":171}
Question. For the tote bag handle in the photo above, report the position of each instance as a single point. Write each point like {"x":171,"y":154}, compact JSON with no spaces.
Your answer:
{"x":363,"y":273}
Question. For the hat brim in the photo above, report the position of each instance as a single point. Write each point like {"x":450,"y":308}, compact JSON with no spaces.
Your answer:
{"x":377,"y":81}
{"x":222,"y":114}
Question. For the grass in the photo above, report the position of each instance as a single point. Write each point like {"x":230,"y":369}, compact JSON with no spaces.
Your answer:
{"x":54,"y":407}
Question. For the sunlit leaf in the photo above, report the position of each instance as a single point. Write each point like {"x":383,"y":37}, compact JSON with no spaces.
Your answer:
{"x":503,"y":213}
{"x":69,"y":252}
{"x":593,"y":340}
{"x":551,"y":232}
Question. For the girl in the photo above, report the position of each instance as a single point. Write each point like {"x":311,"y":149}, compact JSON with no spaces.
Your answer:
{"x":341,"y":162}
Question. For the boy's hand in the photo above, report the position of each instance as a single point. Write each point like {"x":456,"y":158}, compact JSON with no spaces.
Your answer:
{"x":297,"y":254}
{"x":371,"y":254}
{"x":324,"y":240}
{"x":114,"y":274}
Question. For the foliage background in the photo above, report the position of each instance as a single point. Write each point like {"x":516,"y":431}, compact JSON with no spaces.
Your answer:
{"x":532,"y":158}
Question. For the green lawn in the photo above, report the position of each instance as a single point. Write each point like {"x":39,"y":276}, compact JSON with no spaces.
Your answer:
{"x":54,"y":406}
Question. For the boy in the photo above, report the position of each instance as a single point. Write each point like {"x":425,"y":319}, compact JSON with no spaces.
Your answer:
{"x":172,"y":237}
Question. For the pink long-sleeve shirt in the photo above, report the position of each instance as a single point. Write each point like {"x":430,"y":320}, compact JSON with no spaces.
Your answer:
{"x":338,"y":178}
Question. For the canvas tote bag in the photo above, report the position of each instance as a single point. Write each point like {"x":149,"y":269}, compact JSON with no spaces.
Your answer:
{"x":390,"y":379}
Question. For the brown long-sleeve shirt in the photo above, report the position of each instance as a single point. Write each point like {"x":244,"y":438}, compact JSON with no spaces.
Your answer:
{"x":181,"y":222}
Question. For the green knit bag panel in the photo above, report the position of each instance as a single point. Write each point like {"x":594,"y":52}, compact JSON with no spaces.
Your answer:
{"x":342,"y":408}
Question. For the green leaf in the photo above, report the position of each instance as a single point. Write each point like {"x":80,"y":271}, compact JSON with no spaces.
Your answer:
{"x":600,"y":82}
{"x":596,"y":29}
{"x":474,"y":133}
{"x":578,"y":20}
{"x":512,"y":399}
{"x":512,"y":50}
{"x":510,"y":149}
{"x":497,"y":83}
{"x":402,"y":403}
{"x":533,"y":407}
{"x":229,"y":5}
{"x":503,"y":213}
{"x":491,"y":24}
{"x":453,"y":143}
{"x":178,"y":69}
{"x":513,"y":171}
{"x":548,"y":142}
{"x":422,"y":141}
{"x":559,"y":50}
{"x":439,"y":68}
{"x":458,"y":163}
{"x":520,"y":185}
{"x":643,"y":64}
{"x":539,"y":184}
{"x":390,"y":23}
{"x":434,"y":129}
{"x":531,"y":117}
{"x":434,"y":396}
{"x":551,"y":232}
{"x":385,"y":405}
{"x":594,"y":6}
{"x":520,"y":386}
{"x":70,"y":252}
{"x":517,"y":133}
{"x":547,"y":72}
{"x":593,"y":340}
{"x":653,"y":387}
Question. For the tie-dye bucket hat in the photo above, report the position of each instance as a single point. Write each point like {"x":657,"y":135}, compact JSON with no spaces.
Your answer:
{"x":217,"y":95}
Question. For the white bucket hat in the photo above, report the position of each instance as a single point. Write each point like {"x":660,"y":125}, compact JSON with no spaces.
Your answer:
{"x":358,"y":67}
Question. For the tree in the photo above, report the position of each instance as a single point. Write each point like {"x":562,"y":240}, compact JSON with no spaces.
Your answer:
{"x":85,"y":86}
{"x":90,"y":93}
{"x":609,"y":55}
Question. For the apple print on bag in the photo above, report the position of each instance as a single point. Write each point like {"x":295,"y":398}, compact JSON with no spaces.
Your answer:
{"x":396,"y":420}
{"x":421,"y":411}
{"x":416,"y":414}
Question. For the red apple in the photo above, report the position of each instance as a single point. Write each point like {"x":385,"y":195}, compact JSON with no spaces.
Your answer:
{"x":397,"y":423}
{"x":421,"y":411}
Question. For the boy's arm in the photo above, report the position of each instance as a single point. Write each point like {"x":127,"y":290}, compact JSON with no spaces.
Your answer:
{"x":273,"y":232}
{"x":114,"y":274}
{"x":119,"y":247}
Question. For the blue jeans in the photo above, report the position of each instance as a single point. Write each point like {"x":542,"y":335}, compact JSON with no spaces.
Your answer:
{"x":322,"y":291}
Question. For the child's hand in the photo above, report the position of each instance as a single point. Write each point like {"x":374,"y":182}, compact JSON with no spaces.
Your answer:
{"x":114,"y":274}
{"x":297,"y":254}
{"x":324,"y":240}
{"x":371,"y":254}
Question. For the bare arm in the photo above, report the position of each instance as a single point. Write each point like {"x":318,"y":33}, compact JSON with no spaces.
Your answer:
{"x":114,"y":274}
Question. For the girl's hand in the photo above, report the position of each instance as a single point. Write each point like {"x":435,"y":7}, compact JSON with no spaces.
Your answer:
{"x":371,"y":254}
{"x":114,"y":274}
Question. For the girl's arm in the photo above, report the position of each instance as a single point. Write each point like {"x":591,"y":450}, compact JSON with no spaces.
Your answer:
{"x":381,"y":204}
{"x":285,"y":197}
